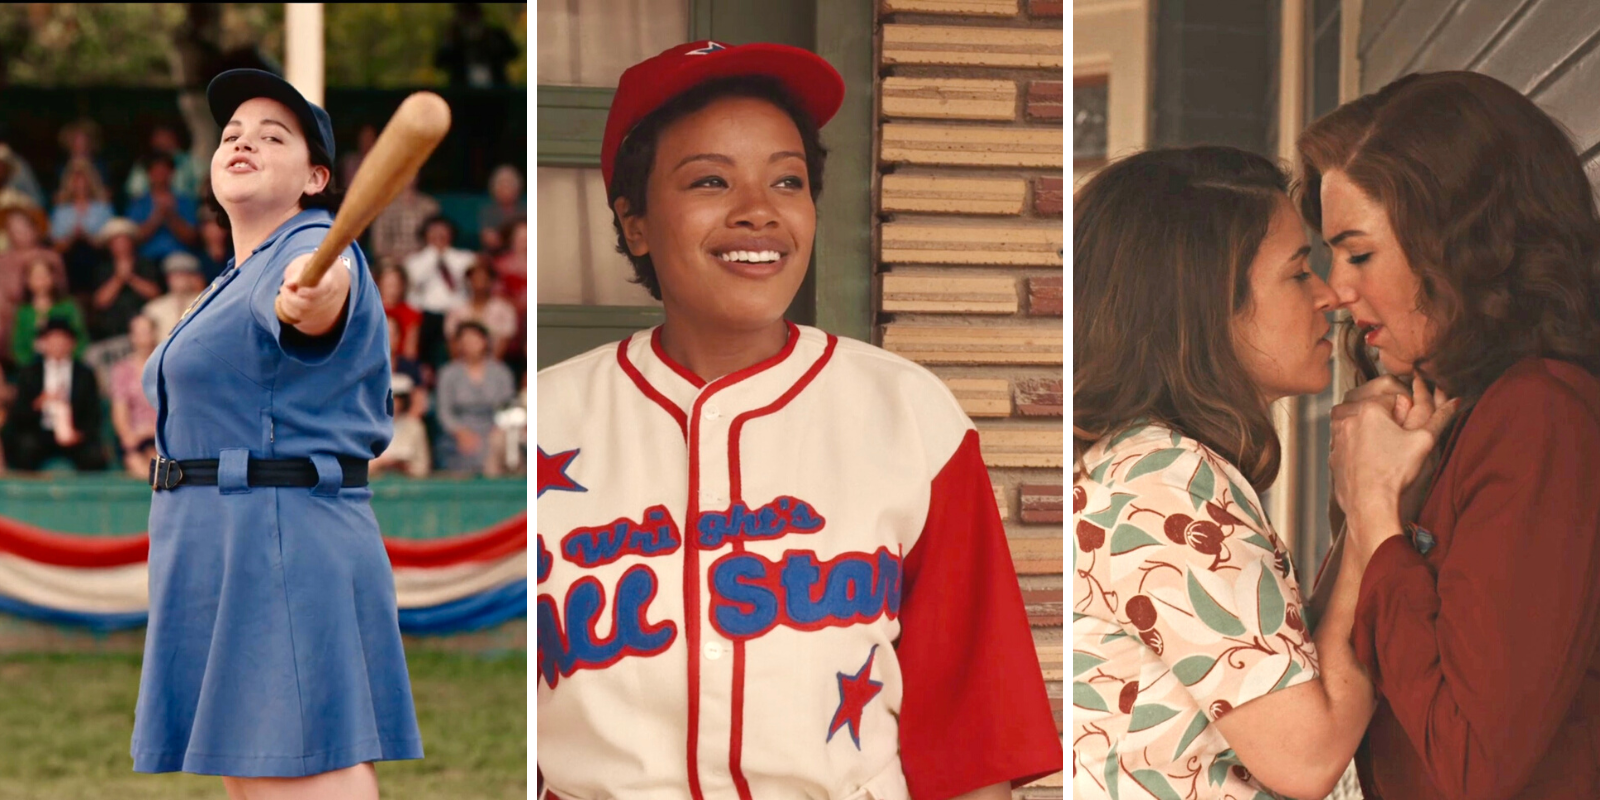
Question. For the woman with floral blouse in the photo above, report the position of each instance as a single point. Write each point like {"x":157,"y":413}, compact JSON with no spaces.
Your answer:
{"x":1194,"y":672}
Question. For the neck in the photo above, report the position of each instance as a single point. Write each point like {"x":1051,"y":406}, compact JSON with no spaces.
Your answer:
{"x":249,"y":231}
{"x":711,"y":353}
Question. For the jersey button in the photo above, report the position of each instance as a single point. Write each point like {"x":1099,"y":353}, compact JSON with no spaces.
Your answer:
{"x":711,"y":412}
{"x":713,"y":651}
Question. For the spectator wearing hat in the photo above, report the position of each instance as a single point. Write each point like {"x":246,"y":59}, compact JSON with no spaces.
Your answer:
{"x":16,"y":176}
{"x":124,"y":281}
{"x":82,"y":209}
{"x":408,"y":451}
{"x":132,"y":416}
{"x":21,"y":226}
{"x":46,"y":301}
{"x":166,"y":218}
{"x":184,"y":284}
{"x":56,"y":411}
{"x":438,"y":275}
{"x":395,"y":230}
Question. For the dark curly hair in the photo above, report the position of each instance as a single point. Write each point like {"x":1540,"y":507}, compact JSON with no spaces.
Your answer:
{"x":636,"y":157}
{"x":330,"y":198}
{"x":1490,"y":204}
{"x":1162,"y":243}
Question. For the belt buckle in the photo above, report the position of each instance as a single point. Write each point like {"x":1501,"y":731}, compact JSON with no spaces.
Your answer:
{"x":168,"y":474}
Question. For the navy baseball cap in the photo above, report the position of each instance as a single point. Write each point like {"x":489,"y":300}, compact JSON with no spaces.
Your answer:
{"x":231,"y":89}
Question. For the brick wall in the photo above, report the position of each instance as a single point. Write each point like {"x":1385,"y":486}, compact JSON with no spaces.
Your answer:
{"x":969,"y":241}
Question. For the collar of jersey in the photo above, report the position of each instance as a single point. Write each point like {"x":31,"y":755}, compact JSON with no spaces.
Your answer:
{"x":305,"y":216}
{"x":681,"y":387}
{"x":698,"y":383}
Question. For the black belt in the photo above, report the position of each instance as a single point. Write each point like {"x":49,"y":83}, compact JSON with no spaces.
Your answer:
{"x":166,"y":473}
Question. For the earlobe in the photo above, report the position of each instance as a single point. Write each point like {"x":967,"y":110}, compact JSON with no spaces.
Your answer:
{"x":633,"y":229}
{"x":320,"y":176}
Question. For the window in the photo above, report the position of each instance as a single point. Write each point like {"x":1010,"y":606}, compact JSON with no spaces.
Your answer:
{"x":1090,"y":95}
{"x":1314,"y":434}
{"x":583,"y":49}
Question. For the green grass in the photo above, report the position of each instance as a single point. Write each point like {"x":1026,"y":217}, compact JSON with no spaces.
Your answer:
{"x":66,"y":720}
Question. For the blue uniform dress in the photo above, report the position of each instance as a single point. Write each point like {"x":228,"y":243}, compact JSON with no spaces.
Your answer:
{"x":274,"y":642}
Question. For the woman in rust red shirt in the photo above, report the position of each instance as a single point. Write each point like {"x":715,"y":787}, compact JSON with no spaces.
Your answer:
{"x":1465,"y":241}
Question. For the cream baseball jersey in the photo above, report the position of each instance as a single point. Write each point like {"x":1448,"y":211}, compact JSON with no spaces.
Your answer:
{"x":791,"y":582}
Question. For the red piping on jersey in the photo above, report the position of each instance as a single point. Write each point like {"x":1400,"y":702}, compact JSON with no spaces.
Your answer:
{"x":736,"y":739}
{"x":736,"y":495}
{"x":649,"y":391}
{"x":683,"y":372}
{"x":691,"y":548}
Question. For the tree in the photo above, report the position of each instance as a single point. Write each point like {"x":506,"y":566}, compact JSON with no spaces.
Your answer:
{"x":384,"y":45}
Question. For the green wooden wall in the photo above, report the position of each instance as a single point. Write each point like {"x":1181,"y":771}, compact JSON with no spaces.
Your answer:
{"x":410,"y":509}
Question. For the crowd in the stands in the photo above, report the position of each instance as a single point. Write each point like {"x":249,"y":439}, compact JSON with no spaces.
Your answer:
{"x":96,"y":269}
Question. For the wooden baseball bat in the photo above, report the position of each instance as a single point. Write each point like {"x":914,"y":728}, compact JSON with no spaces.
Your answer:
{"x":411,"y":136}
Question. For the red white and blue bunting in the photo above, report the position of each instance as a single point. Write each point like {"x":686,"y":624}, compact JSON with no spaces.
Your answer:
{"x":452,"y":585}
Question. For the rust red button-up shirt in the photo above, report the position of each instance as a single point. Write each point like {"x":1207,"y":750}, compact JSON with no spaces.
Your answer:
{"x":1484,"y":649}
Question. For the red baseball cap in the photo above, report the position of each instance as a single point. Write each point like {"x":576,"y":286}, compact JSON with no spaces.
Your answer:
{"x":649,"y":84}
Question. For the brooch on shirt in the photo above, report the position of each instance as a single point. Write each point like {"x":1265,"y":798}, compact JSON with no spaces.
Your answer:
{"x":1420,"y":537}
{"x":197,"y":298}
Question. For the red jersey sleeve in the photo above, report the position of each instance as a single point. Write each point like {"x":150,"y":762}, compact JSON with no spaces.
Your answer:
{"x":974,"y":710}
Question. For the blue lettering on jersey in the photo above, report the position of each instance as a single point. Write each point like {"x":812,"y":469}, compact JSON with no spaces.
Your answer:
{"x":751,"y":595}
{"x":656,"y":534}
{"x":782,"y":516}
{"x":545,"y":559}
{"x":563,"y":651}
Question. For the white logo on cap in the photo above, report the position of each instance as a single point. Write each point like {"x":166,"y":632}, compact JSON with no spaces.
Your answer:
{"x":711,"y":47}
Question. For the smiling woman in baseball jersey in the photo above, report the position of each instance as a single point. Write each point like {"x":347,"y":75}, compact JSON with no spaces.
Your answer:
{"x":770,"y":562}
{"x":273,"y":655}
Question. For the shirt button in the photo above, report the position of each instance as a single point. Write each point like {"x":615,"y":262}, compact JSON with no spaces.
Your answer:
{"x":713,"y":651}
{"x":712,"y":412}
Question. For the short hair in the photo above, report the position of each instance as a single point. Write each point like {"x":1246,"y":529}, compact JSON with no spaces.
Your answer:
{"x":636,"y":157}
{"x":471,"y":325}
{"x":437,"y":219}
{"x":481,"y":264}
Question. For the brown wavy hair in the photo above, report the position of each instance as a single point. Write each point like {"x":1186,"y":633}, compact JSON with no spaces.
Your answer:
{"x":1494,"y":213}
{"x":1161,"y":248}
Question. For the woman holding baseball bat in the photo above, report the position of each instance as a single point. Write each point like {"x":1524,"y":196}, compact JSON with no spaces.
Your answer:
{"x":273,"y":656}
